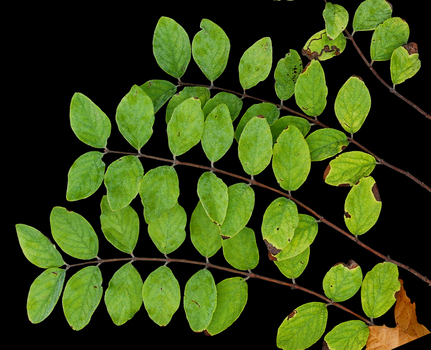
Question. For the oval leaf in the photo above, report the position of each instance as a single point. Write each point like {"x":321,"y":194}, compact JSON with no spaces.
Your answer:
{"x":81,"y":296}
{"x":325,"y":143}
{"x":336,"y":19}
{"x":161,"y":295}
{"x":255,"y":63}
{"x":370,"y":13}
{"x":159,"y":91}
{"x":233,"y":103}
{"x":241,"y":250}
{"x":342,"y":281}
{"x":88,"y":122}
{"x":37,"y":248}
{"x":210,"y":49}
{"x":350,"y":335}
{"x":293,"y":267}
{"x":44,"y":294}
{"x":73,"y":234}
{"x":405,"y":63}
{"x":286,"y":73}
{"x":171,"y":47}
{"x":321,"y":47}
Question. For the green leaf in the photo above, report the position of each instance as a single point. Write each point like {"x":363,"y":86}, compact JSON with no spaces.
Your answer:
{"x":37,"y":248}
{"x":161,"y":295}
{"x":123,"y":298}
{"x":200,"y":300}
{"x":186,"y":126}
{"x":388,"y":36}
{"x":336,"y":19}
{"x":293,"y":267}
{"x":213,"y":194}
{"x":159,"y":91}
{"x":303,"y":327}
{"x":122,"y":181}
{"x":88,"y":121}
{"x":280,"y":124}
{"x":286,"y":73}
{"x":218,"y":133}
{"x":348,"y":168}
{"x":81,"y":296}
{"x":171,"y":47}
{"x":370,"y":13}
{"x":342,"y":281}
{"x":362,"y":207}
{"x":405,"y":63}
{"x":168,"y":231}
{"x":202,"y":93}
{"x":321,"y":47}
{"x":85,"y":176}
{"x":210,"y":49}
{"x":267,"y":110}
{"x":311,"y":89}
{"x":279,"y":223}
{"x":255,"y":63}
{"x":239,"y":209}
{"x":232,"y":296}
{"x":255,"y":146}
{"x":204,"y":233}
{"x":304,"y":235}
{"x":352,"y":104}
{"x":325,"y":143}
{"x":159,"y":191}
{"x":379,"y":288}
{"x":350,"y":335}
{"x":233,"y":103}
{"x":73,"y":234}
{"x":121,"y":228}
{"x":135,"y":117}
{"x":44,"y":294}
{"x":241,"y":251}
{"x":291,"y":161}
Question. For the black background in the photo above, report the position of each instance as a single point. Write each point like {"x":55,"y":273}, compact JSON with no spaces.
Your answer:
{"x":101,"y":51}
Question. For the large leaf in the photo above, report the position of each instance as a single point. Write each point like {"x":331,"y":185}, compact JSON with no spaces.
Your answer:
{"x":286,"y":73}
{"x":342,"y":281}
{"x":405,"y":63}
{"x":370,"y":13}
{"x":336,"y":19}
{"x":350,"y":335}
{"x":320,"y":47}
{"x":241,"y":250}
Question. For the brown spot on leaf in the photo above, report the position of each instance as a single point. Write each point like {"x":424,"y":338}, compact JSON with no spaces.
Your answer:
{"x":272,"y":257}
{"x":357,"y":76}
{"x":343,"y":147}
{"x":347,"y":215}
{"x":224,"y":237}
{"x":352,"y":265}
{"x":327,"y":170}
{"x":376,"y":193}
{"x":206,"y":333}
{"x":325,"y":346}
{"x":344,"y":185}
{"x":411,"y":48}
{"x":293,"y":313}
{"x":54,"y":273}
{"x":273,"y":250}
{"x":260,"y":116}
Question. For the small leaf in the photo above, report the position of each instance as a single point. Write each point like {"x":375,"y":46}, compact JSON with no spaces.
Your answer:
{"x":342,"y":281}
{"x":73,"y":234}
{"x":280,"y":124}
{"x":233,"y":103}
{"x":370,"y":13}
{"x":348,"y":168}
{"x":352,"y":104}
{"x":311,"y":89}
{"x":405,"y":63}
{"x":135,"y":117}
{"x":159,"y":191}
{"x":321,"y":47}
{"x":161,"y":295}
{"x":81,"y":296}
{"x":213,"y":194}
{"x":291,"y":162}
{"x":325,"y":143}
{"x":121,"y":228}
{"x":388,"y":36}
{"x":85,"y":176}
{"x":293,"y":267}
{"x":255,"y":63}
{"x":362,"y":207}
{"x":303,"y":327}
{"x":286,"y":73}
{"x":218,"y":133}
{"x":241,"y":250}
{"x":210,"y":49}
{"x":232,"y":296}
{"x":379,"y":288}
{"x":88,"y":122}
{"x":279,"y":223}
{"x":350,"y":335}
{"x":159,"y":91}
{"x":168,"y":231}
{"x":171,"y":47}
{"x":37,"y":248}
{"x":122,"y":181}
{"x":186,"y":126}
{"x":336,"y":19}
{"x":123,"y":297}
{"x":44,"y":294}
{"x":204,"y":233}
{"x":200,"y":300}
{"x":255,"y":146}
{"x":202,"y":93}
